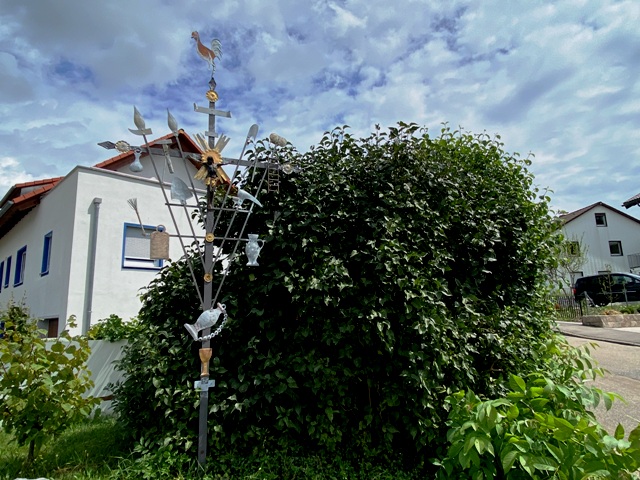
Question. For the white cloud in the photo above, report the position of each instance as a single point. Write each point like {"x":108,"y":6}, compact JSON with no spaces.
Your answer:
{"x":12,"y":172}
{"x":559,"y":80}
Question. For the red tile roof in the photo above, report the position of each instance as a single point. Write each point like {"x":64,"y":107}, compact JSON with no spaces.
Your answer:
{"x":16,"y":204}
{"x":126,"y":158}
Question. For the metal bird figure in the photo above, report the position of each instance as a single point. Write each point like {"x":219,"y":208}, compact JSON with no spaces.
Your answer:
{"x":208,"y":54}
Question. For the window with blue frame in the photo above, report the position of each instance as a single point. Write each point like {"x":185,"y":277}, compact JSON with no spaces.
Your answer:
{"x":1,"y":274}
{"x":21,"y":263}
{"x":7,"y":272}
{"x":136,"y":248}
{"x":46,"y":253}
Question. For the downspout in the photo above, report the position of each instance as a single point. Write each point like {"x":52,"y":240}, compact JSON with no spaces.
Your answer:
{"x":91,"y":265}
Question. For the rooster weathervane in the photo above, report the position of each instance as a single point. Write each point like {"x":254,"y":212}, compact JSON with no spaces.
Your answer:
{"x":208,"y":54}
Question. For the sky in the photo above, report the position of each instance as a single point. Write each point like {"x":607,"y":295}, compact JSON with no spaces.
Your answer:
{"x":556,"y":79}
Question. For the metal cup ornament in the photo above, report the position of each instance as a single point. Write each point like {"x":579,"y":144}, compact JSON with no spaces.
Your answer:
{"x":252,"y":249}
{"x":207,"y":319}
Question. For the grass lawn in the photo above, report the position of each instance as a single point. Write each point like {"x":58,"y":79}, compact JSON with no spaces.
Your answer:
{"x":97,"y":450}
{"x":91,"y":450}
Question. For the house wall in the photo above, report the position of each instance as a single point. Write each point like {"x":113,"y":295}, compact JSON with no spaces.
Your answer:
{"x":67,"y":211}
{"x":596,"y":239}
{"x":43,"y":294}
{"x":116,"y":288}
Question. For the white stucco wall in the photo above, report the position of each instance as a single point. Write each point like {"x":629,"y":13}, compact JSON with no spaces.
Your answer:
{"x":597,"y":238}
{"x":45,"y":295}
{"x":67,"y":211}
{"x":116,"y":288}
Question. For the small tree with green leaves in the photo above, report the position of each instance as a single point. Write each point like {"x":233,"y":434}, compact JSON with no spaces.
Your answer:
{"x":42,"y":383}
{"x":572,"y":257}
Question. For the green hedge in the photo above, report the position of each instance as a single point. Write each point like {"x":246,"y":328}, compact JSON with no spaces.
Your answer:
{"x":397,"y":269}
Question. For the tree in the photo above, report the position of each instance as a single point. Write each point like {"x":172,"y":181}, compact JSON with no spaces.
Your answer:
{"x":41,"y":383}
{"x":571,"y":257}
{"x":397,"y":269}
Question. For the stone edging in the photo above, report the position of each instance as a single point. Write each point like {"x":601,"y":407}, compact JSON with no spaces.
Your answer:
{"x":612,"y":321}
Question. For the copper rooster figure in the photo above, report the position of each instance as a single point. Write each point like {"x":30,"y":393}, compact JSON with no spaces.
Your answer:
{"x":208,"y":54}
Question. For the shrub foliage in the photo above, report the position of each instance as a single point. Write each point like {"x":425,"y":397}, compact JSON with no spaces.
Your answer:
{"x":397,"y":269}
{"x":543,"y":427}
{"x":42,"y":383}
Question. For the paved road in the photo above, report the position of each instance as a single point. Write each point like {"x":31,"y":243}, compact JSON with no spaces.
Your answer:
{"x":623,"y":365}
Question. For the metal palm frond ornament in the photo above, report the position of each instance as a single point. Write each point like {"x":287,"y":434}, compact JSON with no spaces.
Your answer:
{"x":222,"y":195}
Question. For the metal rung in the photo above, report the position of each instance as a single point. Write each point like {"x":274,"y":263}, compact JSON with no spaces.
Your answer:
{"x":273,"y":180}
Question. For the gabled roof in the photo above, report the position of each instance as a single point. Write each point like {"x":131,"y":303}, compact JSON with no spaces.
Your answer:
{"x":119,"y":161}
{"x":568,"y":217}
{"x":23,"y":197}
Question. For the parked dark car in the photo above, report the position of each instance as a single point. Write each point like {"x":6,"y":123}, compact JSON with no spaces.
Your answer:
{"x":606,"y":288}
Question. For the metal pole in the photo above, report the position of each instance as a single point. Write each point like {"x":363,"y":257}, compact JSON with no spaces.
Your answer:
{"x":205,"y":351}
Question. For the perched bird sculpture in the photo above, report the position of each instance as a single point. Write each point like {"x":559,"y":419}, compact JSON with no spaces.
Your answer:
{"x":208,"y":54}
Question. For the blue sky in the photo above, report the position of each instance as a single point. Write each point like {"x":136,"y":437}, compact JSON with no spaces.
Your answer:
{"x":559,"y":79}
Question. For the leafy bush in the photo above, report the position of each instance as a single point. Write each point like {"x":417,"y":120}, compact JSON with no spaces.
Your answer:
{"x":112,"y":328}
{"x":542,"y":428}
{"x":397,"y":269}
{"x":41,"y":382}
{"x":282,"y":464}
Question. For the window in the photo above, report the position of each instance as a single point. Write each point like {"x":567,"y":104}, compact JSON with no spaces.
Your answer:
{"x":7,"y":273}
{"x":21,"y":263}
{"x":573,"y":248}
{"x":1,"y":273}
{"x":46,"y":254}
{"x":52,"y":327}
{"x":615,"y":248}
{"x":601,"y":219}
{"x":136,"y":248}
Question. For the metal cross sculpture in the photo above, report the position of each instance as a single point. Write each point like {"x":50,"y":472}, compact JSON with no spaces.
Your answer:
{"x":221,"y":193}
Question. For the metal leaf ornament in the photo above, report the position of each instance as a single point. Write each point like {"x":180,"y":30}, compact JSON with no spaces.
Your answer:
{"x":172,"y":122}
{"x":180,"y":191}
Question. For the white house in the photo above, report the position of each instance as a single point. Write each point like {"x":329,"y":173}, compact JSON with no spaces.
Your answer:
{"x":74,"y":246}
{"x":610,"y":237}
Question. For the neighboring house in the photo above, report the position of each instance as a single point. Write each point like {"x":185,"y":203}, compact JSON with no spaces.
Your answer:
{"x":610,"y":237}
{"x":73,"y":245}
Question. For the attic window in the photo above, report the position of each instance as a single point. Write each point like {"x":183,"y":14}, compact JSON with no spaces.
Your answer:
{"x":601,"y":219}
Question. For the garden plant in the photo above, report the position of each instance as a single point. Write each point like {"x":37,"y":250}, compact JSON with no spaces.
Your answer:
{"x":42,"y":383}
{"x":398,"y":269}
